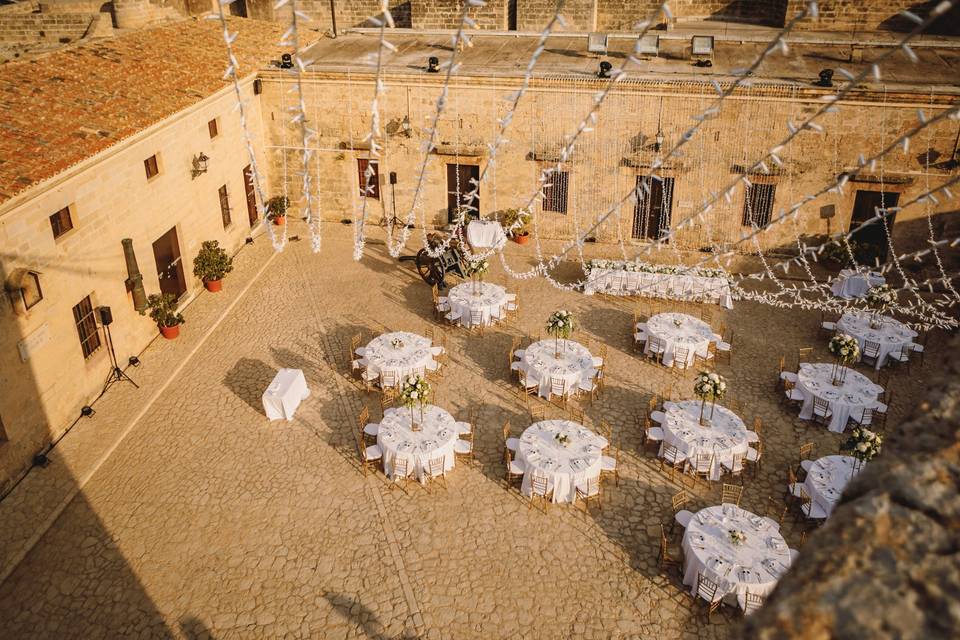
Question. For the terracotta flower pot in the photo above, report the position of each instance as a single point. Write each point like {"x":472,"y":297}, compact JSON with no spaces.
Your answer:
{"x":522,"y":239}
{"x":170,"y":332}
{"x":213,"y":285}
{"x":278,"y":220}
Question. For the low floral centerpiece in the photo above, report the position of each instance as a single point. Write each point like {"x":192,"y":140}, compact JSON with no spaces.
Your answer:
{"x":475,"y":271}
{"x":559,"y":325}
{"x":415,"y":390}
{"x":880,"y":299}
{"x":737,"y":537}
{"x":709,"y":385}
{"x":863,"y":444}
{"x":396,"y":343}
{"x":845,"y":349}
{"x":562,"y":438}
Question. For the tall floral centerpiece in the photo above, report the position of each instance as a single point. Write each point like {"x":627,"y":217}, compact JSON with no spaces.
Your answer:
{"x":845,"y":350}
{"x":414,"y":391}
{"x":559,"y":325}
{"x":710,"y":386}
{"x":863,"y":445}
{"x":476,"y":269}
{"x":880,"y":299}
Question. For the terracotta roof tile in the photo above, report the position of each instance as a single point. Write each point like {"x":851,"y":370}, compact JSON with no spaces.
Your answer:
{"x":68,"y":105}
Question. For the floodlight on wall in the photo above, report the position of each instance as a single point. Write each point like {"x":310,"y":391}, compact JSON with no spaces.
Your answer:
{"x":605,"y":68}
{"x":701,"y":47}
{"x":199,"y":164}
{"x":826,"y":78}
{"x":649,"y":45}
{"x":597,"y":43}
{"x":286,"y":61}
{"x":433,"y":64}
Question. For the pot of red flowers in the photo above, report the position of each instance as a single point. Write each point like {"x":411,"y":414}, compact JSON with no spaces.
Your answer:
{"x":163,"y":310}
{"x":211,"y":264}
{"x":277,"y":209}
{"x":515,"y":224}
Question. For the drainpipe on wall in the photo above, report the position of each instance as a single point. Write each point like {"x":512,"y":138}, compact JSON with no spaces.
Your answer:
{"x":333,"y":16}
{"x":134,"y":280}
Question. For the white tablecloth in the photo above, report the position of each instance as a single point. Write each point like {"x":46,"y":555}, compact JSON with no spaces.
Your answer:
{"x":692,"y":333}
{"x":892,"y":334}
{"x":856,"y":393}
{"x":485,"y":234}
{"x":725,"y":436}
{"x":855,"y":284}
{"x":414,"y":353}
{"x":753,"y":566}
{"x":436,"y":437}
{"x":659,"y":285}
{"x":573,"y":364}
{"x":827,"y":478}
{"x":284,"y":394}
{"x":489,"y":299}
{"x":563,"y":465}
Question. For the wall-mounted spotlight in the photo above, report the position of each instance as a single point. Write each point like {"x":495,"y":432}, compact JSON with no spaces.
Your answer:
{"x":826,"y":78}
{"x":433,"y":64}
{"x":605,"y":68}
{"x":286,"y":61}
{"x":199,"y":164}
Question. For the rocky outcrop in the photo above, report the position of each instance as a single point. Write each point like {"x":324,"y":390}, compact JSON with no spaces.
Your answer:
{"x":887,"y":562}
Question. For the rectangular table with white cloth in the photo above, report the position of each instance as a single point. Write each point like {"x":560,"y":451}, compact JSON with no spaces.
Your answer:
{"x":669,"y":286}
{"x":285,"y":393}
{"x":855,"y":283}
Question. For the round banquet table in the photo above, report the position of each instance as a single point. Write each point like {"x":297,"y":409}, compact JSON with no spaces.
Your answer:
{"x":691,"y":333}
{"x":856,"y":393}
{"x":753,"y":566}
{"x":852,"y":283}
{"x":827,"y":478}
{"x":488,"y":299}
{"x":413,"y":355}
{"x":892,"y":334}
{"x":435,"y":437}
{"x":573,"y":364}
{"x":564,"y":465}
{"x":727,"y":435}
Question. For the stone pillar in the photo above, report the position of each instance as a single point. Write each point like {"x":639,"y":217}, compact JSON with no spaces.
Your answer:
{"x":132,"y":14}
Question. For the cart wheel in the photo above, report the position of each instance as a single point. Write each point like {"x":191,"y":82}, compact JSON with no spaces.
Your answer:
{"x":428,"y":268}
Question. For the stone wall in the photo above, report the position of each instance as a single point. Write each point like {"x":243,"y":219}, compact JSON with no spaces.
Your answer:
{"x":110,"y":199}
{"x":24,"y":28}
{"x":608,"y":160}
{"x":870,"y":15}
{"x":887,"y":562}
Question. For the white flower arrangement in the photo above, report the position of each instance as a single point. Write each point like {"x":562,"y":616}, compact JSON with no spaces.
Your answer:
{"x":737,"y":537}
{"x":709,"y":386}
{"x":644,"y":267}
{"x":844,"y":348}
{"x":396,"y":343}
{"x":477,"y":267}
{"x":560,"y":324}
{"x":881,"y":297}
{"x":863,"y":444}
{"x":562,"y":438}
{"x":414,"y":390}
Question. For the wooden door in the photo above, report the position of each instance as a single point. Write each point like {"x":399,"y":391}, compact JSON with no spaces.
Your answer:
{"x":461,"y":180}
{"x":651,"y":215}
{"x":251,"y":196}
{"x":872,"y":234}
{"x":166,"y":253}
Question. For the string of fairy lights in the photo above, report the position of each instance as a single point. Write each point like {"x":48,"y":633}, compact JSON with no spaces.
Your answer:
{"x":809,"y":294}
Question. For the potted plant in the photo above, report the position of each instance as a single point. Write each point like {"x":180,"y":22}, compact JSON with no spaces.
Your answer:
{"x":163,"y":311}
{"x":515,"y":224}
{"x":277,"y":209}
{"x":211,"y":264}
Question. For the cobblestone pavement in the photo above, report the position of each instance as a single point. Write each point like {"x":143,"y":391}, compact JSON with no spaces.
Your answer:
{"x":208,"y":520}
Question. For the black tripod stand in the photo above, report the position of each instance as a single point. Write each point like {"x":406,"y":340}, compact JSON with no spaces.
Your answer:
{"x":116,"y":373}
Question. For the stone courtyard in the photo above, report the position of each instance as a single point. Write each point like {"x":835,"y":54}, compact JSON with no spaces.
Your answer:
{"x":178,"y":510}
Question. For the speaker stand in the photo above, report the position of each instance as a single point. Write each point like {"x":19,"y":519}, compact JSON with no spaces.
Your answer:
{"x":116,"y":373}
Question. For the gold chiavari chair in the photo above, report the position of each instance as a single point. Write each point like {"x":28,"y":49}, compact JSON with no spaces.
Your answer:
{"x":463,"y":447}
{"x":822,"y":413}
{"x":576,"y":415}
{"x":731,"y":494}
{"x":605,"y":430}
{"x":370,"y":455}
{"x":528,"y":387}
{"x":701,"y":465}
{"x":610,"y":465}
{"x":363,"y":419}
{"x":706,"y":315}
{"x":806,"y":452}
{"x":539,"y":492}
{"x":513,"y":468}
{"x":707,"y":590}
{"x":664,"y":559}
{"x":537,"y":412}
{"x":558,"y":390}
{"x":803,"y":355}
{"x":401,"y":473}
{"x":510,"y":444}
{"x":588,"y":491}
{"x":672,"y":459}
{"x":751,"y":602}
{"x":754,"y":457}
{"x":436,"y":472}
{"x":681,"y":516}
